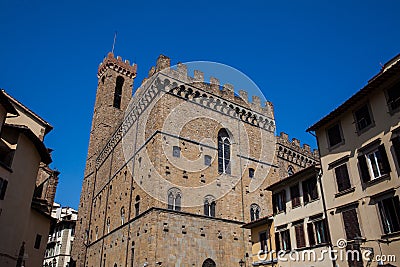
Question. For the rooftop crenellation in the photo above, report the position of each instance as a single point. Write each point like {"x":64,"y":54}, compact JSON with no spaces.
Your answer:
{"x":118,"y":64}
{"x":214,"y":85}
{"x":295,"y":144}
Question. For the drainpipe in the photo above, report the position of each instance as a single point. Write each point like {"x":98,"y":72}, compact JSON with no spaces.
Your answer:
{"x":319,"y":179}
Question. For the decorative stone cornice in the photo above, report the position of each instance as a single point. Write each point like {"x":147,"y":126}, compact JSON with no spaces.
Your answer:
{"x":118,"y":65}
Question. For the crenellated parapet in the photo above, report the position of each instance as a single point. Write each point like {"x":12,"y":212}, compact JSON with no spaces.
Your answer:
{"x":292,"y":151}
{"x":213,"y":86}
{"x":122,"y":66}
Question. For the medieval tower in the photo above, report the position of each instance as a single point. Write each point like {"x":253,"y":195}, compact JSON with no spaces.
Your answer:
{"x":175,"y":170}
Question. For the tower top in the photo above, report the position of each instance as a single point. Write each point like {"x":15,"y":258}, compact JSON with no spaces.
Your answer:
{"x":117,"y":64}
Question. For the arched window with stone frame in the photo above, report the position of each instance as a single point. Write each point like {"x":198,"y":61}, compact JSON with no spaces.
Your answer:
{"x":174,"y":199}
{"x":209,"y":206}
{"x":137,"y":205}
{"x":224,"y":152}
{"x":255,"y":212}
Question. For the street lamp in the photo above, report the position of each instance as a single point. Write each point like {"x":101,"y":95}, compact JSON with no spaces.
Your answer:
{"x":241,"y":263}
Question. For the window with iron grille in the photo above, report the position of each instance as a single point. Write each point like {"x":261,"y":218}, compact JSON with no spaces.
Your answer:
{"x":363,"y":118}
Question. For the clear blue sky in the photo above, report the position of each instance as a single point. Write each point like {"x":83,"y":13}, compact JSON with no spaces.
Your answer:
{"x":306,"y":56}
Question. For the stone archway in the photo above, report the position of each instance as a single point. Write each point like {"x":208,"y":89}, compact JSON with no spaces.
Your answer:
{"x":209,"y":263}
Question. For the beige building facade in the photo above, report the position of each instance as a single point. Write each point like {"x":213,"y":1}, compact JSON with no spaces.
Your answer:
{"x":174,"y":171}
{"x":27,"y":185}
{"x":359,"y":144}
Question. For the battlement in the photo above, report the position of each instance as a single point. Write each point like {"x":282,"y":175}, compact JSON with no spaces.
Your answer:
{"x":122,"y":66}
{"x":214,"y":86}
{"x":294,"y":144}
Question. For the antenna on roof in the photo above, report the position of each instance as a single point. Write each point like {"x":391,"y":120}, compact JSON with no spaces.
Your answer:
{"x":115,"y":38}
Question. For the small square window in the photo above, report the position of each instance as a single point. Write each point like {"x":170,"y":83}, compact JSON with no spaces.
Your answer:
{"x":207,"y":160}
{"x":176,"y":151}
{"x":363,"y":118}
{"x":335,"y":135}
{"x":251,"y":172}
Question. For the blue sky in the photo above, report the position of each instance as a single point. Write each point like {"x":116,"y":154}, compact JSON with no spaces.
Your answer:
{"x":306,"y":56}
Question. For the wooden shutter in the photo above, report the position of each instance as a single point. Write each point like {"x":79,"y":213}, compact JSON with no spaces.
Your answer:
{"x":284,"y":199}
{"x":295,"y":195}
{"x":310,"y":231}
{"x":300,"y":241}
{"x":306,"y":192}
{"x":385,"y":161}
{"x":396,"y":146}
{"x":362,"y":162}
{"x":277,"y":243}
{"x":351,"y":225}
{"x":342,"y":178}
{"x":274,"y":207}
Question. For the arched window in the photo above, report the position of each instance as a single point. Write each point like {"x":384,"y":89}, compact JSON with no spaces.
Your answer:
{"x":97,"y":232}
{"x":137,"y":205}
{"x":255,"y":211}
{"x":108,"y":225}
{"x":174,"y":199}
{"x":118,"y":92}
{"x":224,"y":152}
{"x":209,"y":263}
{"x":290,"y":170}
{"x":122,"y":215}
{"x":209,"y":206}
{"x":115,"y":265}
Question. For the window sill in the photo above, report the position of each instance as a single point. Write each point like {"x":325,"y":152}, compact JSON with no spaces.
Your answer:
{"x":345,"y":192}
{"x":330,"y":148}
{"x":293,"y":207}
{"x":312,"y":247}
{"x":279,"y":212}
{"x":390,"y":235}
{"x":363,"y":130}
{"x":311,"y":201}
{"x":378,"y":180}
